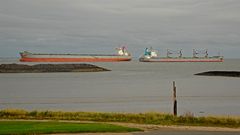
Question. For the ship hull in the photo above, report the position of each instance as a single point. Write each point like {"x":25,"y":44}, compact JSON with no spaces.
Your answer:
{"x":72,"y":58}
{"x":142,"y":59}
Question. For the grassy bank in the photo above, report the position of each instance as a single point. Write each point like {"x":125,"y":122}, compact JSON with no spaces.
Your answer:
{"x":141,"y":118}
{"x":31,"y":127}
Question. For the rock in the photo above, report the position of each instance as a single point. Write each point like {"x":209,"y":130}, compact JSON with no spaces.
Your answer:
{"x":221,"y":73}
{"x":43,"y":68}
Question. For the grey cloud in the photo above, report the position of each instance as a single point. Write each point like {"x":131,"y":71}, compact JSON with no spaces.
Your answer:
{"x":100,"y":25}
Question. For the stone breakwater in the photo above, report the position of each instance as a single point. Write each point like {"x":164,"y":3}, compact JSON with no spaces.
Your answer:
{"x":45,"y":68}
{"x":221,"y":73}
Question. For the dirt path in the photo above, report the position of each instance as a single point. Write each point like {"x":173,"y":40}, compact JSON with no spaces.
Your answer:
{"x":149,"y":128}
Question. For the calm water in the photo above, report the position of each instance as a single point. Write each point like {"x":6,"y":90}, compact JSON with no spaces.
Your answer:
{"x":129,"y":87}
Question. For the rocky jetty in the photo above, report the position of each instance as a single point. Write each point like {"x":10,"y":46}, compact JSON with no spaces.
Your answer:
{"x":221,"y":73}
{"x":43,"y":68}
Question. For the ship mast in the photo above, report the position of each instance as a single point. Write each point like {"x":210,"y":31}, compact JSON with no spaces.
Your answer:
{"x":196,"y":52}
{"x":179,"y":52}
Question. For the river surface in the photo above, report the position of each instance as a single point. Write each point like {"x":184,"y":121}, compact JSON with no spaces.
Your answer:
{"x":130,"y":87}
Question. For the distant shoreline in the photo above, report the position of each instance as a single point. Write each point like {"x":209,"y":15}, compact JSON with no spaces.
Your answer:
{"x":220,"y":73}
{"x":49,"y":68}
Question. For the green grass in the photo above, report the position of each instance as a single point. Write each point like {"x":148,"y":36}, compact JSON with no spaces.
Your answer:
{"x":33,"y":127}
{"x":140,"y":118}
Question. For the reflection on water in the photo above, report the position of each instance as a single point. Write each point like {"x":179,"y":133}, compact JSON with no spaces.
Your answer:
{"x":129,"y":87}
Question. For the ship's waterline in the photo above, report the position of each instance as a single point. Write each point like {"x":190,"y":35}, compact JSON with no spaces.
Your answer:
{"x":87,"y":59}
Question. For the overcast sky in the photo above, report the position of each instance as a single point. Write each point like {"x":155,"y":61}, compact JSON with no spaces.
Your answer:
{"x":99,"y":26}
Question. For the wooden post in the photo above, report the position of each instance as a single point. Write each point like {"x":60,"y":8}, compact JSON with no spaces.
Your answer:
{"x":174,"y":99}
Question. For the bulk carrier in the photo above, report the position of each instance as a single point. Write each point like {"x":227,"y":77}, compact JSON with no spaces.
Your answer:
{"x":122,"y":55}
{"x":151,"y":55}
